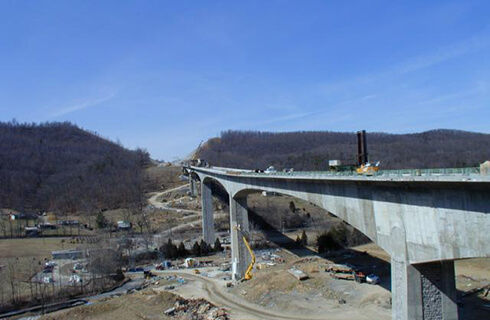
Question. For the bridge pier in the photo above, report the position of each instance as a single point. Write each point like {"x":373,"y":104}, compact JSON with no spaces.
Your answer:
{"x":240,"y":258}
{"x":193,"y":187}
{"x":420,"y":218}
{"x":423,"y":291}
{"x":207,"y":214}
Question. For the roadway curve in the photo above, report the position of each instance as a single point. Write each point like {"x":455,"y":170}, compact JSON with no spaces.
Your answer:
{"x":215,"y":293}
{"x":186,"y":221}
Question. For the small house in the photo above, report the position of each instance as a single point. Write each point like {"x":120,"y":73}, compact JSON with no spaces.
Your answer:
{"x":67,"y":254}
{"x":123,"y":225}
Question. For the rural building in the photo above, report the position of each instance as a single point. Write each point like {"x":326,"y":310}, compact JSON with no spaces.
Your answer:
{"x":124,"y":225}
{"x":46,"y":226}
{"x":67,"y":254}
{"x":32,"y":231}
{"x":68,"y":222}
{"x":23,"y":216}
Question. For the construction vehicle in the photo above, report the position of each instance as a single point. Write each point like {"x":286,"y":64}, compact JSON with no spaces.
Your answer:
{"x":372,"y":279}
{"x":362,"y":165}
{"x":356,"y":276}
{"x":195,"y":161}
{"x":339,"y":268}
{"x":248,"y":272}
{"x":368,"y":169}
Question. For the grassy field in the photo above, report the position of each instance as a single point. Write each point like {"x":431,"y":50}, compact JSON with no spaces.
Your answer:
{"x":26,"y":255}
{"x":39,"y":248}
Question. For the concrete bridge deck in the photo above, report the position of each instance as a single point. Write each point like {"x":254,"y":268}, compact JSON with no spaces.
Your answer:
{"x":425,"y":220}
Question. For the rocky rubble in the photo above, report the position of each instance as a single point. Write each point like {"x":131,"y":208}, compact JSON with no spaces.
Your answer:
{"x":197,"y":309}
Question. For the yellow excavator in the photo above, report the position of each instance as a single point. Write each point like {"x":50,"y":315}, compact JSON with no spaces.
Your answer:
{"x":368,"y":169}
{"x":248,"y":272}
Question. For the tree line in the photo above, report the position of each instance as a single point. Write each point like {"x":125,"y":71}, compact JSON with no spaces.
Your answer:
{"x":173,"y":251}
{"x":311,"y":150}
{"x":60,"y":167}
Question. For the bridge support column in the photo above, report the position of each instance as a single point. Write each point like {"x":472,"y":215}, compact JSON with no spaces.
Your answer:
{"x":423,"y":291}
{"x":207,"y":214}
{"x":193,"y":187}
{"x":240,"y":258}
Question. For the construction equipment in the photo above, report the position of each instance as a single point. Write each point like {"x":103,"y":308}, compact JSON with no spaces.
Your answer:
{"x":357,"y":276}
{"x":195,"y":161}
{"x":248,"y":272}
{"x":368,"y":169}
{"x":364,"y":167}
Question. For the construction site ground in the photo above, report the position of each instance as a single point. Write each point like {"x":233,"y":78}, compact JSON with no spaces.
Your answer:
{"x":273,"y":293}
{"x":276,"y":290}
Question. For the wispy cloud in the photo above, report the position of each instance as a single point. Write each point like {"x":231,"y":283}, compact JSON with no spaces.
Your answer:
{"x":281,"y":119}
{"x":333,"y":110}
{"x":453,"y":96}
{"x":393,"y":73}
{"x":467,"y":46}
{"x":80,"y":106}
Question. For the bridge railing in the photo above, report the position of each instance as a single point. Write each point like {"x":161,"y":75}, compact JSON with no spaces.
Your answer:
{"x":396,"y":172}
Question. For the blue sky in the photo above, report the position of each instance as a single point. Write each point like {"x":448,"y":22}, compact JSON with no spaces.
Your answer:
{"x":164,"y":75}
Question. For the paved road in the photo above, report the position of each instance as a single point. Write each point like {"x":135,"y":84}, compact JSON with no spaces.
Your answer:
{"x":133,"y":284}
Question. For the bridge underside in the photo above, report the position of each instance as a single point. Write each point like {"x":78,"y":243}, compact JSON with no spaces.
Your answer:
{"x":423,"y":228}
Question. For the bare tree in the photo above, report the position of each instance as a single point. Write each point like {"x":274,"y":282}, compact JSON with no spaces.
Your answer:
{"x":12,"y":271}
{"x":2,"y":292}
{"x":76,"y":169}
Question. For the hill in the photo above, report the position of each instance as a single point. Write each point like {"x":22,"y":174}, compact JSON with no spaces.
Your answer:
{"x":311,"y":150}
{"x":60,"y":167}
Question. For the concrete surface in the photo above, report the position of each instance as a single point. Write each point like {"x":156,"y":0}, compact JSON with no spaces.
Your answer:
{"x":416,"y":219}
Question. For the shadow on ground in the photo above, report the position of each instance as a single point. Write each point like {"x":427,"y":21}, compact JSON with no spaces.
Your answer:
{"x":470,"y":306}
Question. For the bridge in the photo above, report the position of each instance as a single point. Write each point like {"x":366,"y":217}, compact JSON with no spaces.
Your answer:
{"x":424,"y":219}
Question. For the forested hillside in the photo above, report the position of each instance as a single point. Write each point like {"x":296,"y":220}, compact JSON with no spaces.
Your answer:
{"x":60,"y":167}
{"x":312,"y":150}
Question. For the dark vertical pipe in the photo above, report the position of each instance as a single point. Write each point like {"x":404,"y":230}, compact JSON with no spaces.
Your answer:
{"x":362,"y":154}
{"x":364,"y":147}
{"x":359,"y":148}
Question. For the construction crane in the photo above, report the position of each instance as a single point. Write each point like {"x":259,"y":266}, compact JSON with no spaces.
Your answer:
{"x":248,"y":272}
{"x":193,"y":160}
{"x":362,"y":165}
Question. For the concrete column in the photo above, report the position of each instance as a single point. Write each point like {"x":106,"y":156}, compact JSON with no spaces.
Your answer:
{"x":423,"y":291}
{"x":207,"y":214}
{"x":240,"y":257}
{"x":193,"y":187}
{"x":439,"y":299}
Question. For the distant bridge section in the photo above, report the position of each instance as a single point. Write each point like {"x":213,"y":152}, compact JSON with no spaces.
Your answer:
{"x":425,"y":219}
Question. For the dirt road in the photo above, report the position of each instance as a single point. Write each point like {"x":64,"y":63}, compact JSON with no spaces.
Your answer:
{"x":153,"y":200}
{"x":214,"y":291}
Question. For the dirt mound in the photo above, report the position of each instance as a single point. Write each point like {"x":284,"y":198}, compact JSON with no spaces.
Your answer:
{"x":277,"y":289}
{"x":197,"y":309}
{"x":146,"y":304}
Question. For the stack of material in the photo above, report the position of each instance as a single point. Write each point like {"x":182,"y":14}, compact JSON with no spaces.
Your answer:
{"x":197,"y":309}
{"x":485,"y":168}
{"x":298,"y":274}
